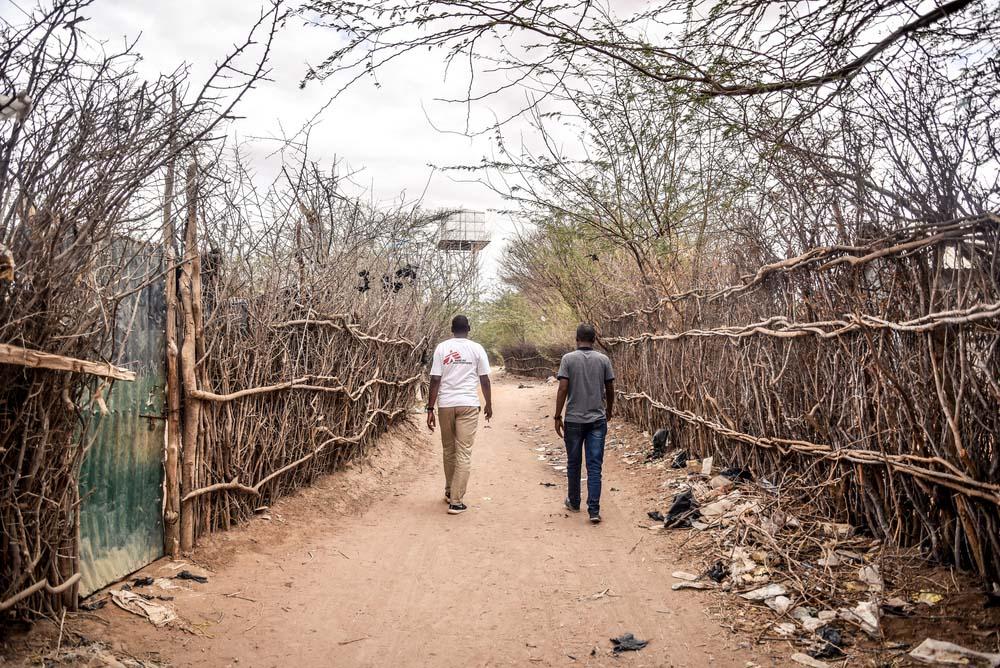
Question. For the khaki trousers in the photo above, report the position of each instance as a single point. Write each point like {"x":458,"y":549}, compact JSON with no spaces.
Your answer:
{"x":458,"y":431}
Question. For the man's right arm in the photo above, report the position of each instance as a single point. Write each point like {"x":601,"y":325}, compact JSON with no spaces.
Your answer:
{"x":561,"y":394}
{"x":432,"y":393}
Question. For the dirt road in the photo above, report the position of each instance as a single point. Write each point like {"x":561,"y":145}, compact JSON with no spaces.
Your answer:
{"x":514,"y":581}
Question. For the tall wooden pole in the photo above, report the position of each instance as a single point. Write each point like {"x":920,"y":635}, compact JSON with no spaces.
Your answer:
{"x":172,"y":483}
{"x":192,"y":406}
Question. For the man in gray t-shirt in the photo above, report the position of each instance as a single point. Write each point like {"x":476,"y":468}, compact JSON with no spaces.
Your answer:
{"x":587,"y":380}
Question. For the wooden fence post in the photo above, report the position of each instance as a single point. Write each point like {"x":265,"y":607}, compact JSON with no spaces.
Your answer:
{"x":172,"y":484}
{"x":192,"y":405}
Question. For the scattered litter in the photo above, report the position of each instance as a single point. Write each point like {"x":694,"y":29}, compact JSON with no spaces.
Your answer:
{"x":807,"y":660}
{"x":896,"y":606}
{"x":833,"y":644}
{"x":940,"y":651}
{"x":684,"y":575}
{"x":94,"y":654}
{"x":655,"y":515}
{"x":831,"y":560}
{"x":717,"y":508}
{"x":188,"y":575}
{"x":770,"y":591}
{"x":807,"y":619}
{"x":718,"y":572}
{"x":548,"y":484}
{"x":659,"y":445}
{"x":627,"y":643}
{"x":785,"y":628}
{"x":865,"y":614}
{"x":680,"y":459}
{"x":158,"y":614}
{"x":720,"y":482}
{"x":142,"y":582}
{"x":90,"y":606}
{"x":870,"y":576}
{"x":780,"y":604}
{"x":682,"y":510}
{"x":737,"y":474}
{"x":706,"y":466}
{"x":677,"y":586}
{"x":165,"y":583}
{"x":927,"y":598}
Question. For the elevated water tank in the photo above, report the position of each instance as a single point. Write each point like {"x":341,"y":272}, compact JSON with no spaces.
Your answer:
{"x":464,"y":230}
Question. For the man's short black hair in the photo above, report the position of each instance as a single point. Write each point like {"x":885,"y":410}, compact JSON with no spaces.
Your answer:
{"x":586,"y":333}
{"x":460,"y":325}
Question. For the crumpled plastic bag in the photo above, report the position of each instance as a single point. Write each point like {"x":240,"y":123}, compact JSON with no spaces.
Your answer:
{"x":627,"y":643}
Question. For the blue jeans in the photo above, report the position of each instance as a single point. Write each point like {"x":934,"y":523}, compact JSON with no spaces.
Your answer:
{"x":585,"y":440}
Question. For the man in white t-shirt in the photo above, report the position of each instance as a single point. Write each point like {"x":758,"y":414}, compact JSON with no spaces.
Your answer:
{"x":460,"y":368}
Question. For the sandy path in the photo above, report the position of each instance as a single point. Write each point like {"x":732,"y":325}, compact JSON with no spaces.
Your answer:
{"x":404,"y":584}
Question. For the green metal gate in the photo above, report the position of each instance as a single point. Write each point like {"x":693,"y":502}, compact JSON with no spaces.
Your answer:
{"x":121,"y":481}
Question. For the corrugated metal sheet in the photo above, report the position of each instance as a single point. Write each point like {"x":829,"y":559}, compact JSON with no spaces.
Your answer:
{"x":121,"y":481}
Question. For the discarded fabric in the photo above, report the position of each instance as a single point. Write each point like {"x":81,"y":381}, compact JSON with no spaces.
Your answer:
{"x":682,"y":510}
{"x":627,"y":643}
{"x":157,"y":613}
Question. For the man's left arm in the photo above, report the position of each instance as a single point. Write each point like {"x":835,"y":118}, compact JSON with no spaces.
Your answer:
{"x":483,"y":367}
{"x":609,"y":397}
{"x":484,"y":383}
{"x":609,"y":388}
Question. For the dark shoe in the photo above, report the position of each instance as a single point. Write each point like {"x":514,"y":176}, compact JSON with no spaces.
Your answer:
{"x":456,"y":508}
{"x":595,"y":518}
{"x":570,"y":506}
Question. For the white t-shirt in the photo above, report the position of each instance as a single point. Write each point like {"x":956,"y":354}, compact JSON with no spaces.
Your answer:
{"x":460,"y":363}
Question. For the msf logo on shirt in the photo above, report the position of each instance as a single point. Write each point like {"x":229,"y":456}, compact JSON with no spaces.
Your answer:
{"x":454,"y":358}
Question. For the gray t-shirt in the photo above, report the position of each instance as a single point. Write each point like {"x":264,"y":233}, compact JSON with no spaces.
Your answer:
{"x":587,"y":370}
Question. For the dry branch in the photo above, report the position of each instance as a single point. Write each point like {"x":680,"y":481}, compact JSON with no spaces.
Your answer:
{"x":37,"y":359}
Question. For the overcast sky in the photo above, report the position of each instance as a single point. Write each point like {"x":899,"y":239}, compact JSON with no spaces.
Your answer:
{"x":388,"y":132}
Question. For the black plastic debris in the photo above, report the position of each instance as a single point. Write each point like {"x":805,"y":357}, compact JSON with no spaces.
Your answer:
{"x":142,"y":582}
{"x":895,"y":610}
{"x":737,"y":474}
{"x":718,"y":572}
{"x":90,"y":606}
{"x":627,"y":643}
{"x":833,"y":644}
{"x":659,"y":445}
{"x":682,"y":510}
{"x":548,"y":484}
{"x":655,"y":515}
{"x":188,"y":575}
{"x":680,"y":460}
